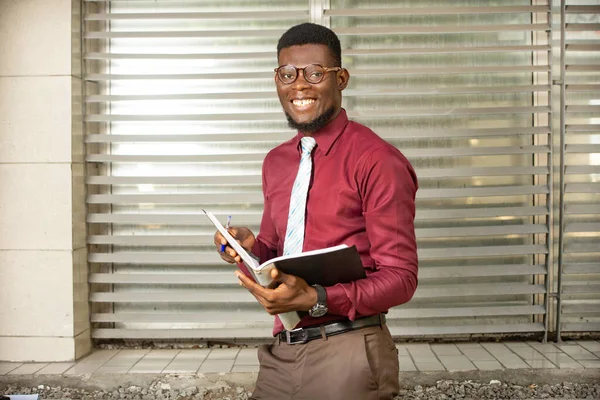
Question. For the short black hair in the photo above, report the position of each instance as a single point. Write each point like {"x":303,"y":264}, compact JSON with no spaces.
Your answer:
{"x":309,"y":33}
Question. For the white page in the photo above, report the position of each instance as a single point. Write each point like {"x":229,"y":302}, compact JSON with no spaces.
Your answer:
{"x":248,"y":259}
{"x":288,"y":319}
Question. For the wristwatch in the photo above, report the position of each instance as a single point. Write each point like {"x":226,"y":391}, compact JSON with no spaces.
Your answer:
{"x":319,"y":309}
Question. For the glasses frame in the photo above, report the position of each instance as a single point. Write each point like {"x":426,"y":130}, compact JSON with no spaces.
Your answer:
{"x":325,"y":70}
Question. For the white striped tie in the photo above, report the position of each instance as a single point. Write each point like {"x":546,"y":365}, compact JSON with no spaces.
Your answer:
{"x":294,"y":236}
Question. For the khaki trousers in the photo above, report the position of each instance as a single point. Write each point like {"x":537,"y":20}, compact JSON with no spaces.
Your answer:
{"x":356,"y":365}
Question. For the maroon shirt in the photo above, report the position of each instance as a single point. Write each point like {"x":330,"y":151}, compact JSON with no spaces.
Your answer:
{"x":362,"y":193}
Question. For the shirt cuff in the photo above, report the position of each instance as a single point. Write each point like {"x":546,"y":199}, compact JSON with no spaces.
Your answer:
{"x":338,"y":302}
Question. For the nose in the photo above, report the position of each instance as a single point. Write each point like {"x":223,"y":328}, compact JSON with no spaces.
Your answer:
{"x":300,"y":83}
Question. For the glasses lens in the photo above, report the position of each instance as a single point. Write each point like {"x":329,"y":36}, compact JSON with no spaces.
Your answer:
{"x":287,"y":73}
{"x":314,"y":73}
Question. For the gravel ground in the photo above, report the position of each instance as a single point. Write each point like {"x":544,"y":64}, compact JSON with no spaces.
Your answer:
{"x":442,"y":390}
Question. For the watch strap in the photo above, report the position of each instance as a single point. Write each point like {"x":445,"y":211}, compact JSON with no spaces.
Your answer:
{"x":321,"y":294}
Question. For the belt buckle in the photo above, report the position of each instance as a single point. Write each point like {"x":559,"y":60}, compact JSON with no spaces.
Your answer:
{"x":303,"y":336}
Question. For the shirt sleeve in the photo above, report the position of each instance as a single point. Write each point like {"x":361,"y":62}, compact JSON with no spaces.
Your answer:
{"x":388,"y":185}
{"x":265,"y":247}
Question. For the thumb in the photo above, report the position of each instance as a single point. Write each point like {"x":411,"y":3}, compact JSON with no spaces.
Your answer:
{"x":279,"y":276}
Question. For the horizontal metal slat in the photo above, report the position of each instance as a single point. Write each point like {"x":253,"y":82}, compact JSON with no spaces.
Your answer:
{"x":582,"y":148}
{"x":583,"y":68}
{"x":197,"y":278}
{"x":422,"y":91}
{"x":571,"y":27}
{"x":573,"y":248}
{"x":208,"y":319}
{"x":191,"y":240}
{"x":260,"y":332}
{"x":580,"y":306}
{"x":157,"y":258}
{"x":183,"y":96}
{"x":481,"y":231}
{"x":410,"y":331}
{"x":477,"y":289}
{"x":170,"y":16}
{"x":582,"y":227}
{"x":259,"y":157}
{"x":347,"y":53}
{"x":215,"y":75}
{"x":583,"y":188}
{"x":481,"y":251}
{"x":470,"y":212}
{"x":175,"y":180}
{"x":582,"y":268}
{"x":479,"y":171}
{"x":582,"y":9}
{"x":169,"y":219}
{"x":583,"y":88}
{"x":479,"y":271}
{"x":582,"y":327}
{"x":225,"y":277}
{"x":275,"y":33}
{"x":211,"y":257}
{"x":407,"y":30}
{"x":582,"y":169}
{"x":152,"y":240}
{"x":582,"y":47}
{"x":180,"y":56}
{"x":227,"y":332}
{"x":198,"y":158}
{"x":248,"y":218}
{"x":582,"y":209}
{"x":256,"y":179}
{"x":583,"y":109}
{"x":276,"y":116}
{"x":432,"y":194}
{"x":206,"y":198}
{"x":200,"y":319}
{"x":241,"y":295}
{"x":280,"y":136}
{"x":393,"y":11}
{"x":191,"y":138}
{"x":241,"y":33}
{"x":572,"y":128}
{"x":442,"y":50}
{"x":581,"y":288}
{"x":387,"y":72}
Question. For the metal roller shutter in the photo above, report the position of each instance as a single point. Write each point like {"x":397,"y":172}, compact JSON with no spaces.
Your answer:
{"x":181,"y":110}
{"x":580,"y":169}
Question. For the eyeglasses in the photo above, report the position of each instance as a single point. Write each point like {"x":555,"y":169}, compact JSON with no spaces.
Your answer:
{"x":313,"y":73}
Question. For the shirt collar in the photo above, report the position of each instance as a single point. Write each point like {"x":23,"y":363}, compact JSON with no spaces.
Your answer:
{"x":327,"y":135}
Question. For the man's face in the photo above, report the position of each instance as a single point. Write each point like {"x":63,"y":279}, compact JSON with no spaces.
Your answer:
{"x":310,"y":106}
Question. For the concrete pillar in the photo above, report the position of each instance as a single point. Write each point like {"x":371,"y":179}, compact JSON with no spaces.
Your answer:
{"x":44,"y":312}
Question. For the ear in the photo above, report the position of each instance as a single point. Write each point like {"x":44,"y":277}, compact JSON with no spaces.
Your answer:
{"x":343,"y":78}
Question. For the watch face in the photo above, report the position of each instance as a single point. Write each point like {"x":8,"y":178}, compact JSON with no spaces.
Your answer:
{"x":318,"y":311}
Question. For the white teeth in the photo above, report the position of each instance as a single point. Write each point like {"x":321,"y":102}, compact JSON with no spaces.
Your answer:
{"x":303,"y":102}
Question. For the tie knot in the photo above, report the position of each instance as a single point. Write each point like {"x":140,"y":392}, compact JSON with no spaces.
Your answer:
{"x":308,"y":143}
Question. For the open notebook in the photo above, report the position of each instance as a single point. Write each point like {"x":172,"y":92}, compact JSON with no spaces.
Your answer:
{"x":326,"y":267}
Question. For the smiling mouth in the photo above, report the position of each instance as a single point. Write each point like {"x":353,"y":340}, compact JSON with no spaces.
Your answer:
{"x":303,"y":102}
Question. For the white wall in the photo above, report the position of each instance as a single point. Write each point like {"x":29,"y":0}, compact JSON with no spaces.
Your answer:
{"x":44,"y":312}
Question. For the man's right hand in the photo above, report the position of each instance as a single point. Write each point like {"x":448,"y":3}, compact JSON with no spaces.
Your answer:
{"x":242,"y":235}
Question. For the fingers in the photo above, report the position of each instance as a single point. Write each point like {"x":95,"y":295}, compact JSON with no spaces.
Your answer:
{"x":228,"y":254}
{"x":282,"y":298}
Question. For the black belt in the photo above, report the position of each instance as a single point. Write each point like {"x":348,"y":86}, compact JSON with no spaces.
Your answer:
{"x":303,"y":335}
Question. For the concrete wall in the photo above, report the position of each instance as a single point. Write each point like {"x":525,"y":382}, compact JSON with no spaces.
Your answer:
{"x":44,"y":314}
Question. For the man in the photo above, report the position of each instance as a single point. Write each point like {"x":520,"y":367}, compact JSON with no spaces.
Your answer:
{"x":335,"y":182}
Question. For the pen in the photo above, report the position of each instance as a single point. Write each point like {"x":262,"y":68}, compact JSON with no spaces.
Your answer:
{"x":227,"y":229}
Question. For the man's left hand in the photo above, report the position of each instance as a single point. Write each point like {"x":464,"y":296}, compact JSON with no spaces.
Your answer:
{"x":291,"y":294}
